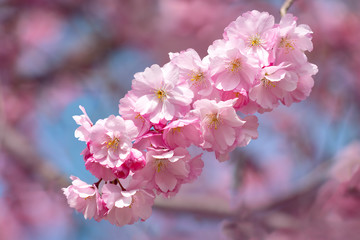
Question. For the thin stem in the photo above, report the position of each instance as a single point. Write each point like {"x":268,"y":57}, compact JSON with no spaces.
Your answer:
{"x":286,"y":5}
{"x":117,"y":181}
{"x":122,"y":188}
{"x":97,"y":183}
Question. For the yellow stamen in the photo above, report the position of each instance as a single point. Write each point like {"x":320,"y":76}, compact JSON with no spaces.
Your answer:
{"x":174,"y":130}
{"x":197,"y":78}
{"x":287,"y":44}
{"x":234,"y":66}
{"x":160,"y":163}
{"x":255,"y":40}
{"x":113,"y":144}
{"x":138,"y":116}
{"x":267,"y":83}
{"x":161,"y":94}
{"x":213,"y":120}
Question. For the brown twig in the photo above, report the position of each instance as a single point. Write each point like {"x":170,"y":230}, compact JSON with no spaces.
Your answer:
{"x":286,"y":5}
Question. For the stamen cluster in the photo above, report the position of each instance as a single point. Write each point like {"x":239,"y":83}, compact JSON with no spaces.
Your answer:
{"x":189,"y":101}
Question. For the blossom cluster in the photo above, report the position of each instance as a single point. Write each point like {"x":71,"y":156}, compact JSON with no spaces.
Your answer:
{"x":208,"y":103}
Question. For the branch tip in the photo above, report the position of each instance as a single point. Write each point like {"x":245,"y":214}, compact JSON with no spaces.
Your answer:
{"x":286,"y":5}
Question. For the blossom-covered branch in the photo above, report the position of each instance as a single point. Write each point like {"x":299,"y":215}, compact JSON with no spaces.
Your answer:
{"x":190,"y":102}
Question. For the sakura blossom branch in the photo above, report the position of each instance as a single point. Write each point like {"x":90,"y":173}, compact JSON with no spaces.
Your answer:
{"x":144,"y":152}
{"x":286,"y":5}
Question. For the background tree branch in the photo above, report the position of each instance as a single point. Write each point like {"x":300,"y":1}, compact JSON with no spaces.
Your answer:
{"x":286,"y":5}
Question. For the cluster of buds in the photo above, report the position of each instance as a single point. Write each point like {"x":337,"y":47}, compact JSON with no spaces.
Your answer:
{"x":189,"y":101}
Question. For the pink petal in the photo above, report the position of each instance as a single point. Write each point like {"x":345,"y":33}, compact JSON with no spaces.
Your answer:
{"x":165,"y":181}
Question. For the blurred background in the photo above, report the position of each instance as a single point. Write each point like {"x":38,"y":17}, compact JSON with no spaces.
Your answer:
{"x":59,"y":54}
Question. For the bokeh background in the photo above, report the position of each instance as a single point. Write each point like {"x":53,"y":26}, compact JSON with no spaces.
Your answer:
{"x":58,"y":54}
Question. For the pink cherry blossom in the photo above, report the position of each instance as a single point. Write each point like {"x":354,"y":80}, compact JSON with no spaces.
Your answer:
{"x":257,"y":30}
{"x":304,"y":84}
{"x":92,"y":165}
{"x":85,"y":198}
{"x":165,"y":170}
{"x":183,"y":133}
{"x":273,"y":85}
{"x":151,"y":139}
{"x":127,"y":112}
{"x":126,"y":207}
{"x":219,"y":124}
{"x":196,"y":166}
{"x":82,"y":133}
{"x":244,"y":135}
{"x":111,"y":140}
{"x":161,"y":95}
{"x":231,"y":68}
{"x":194,"y":71}
{"x":293,"y":40}
{"x":248,"y":131}
{"x":242,"y":98}
{"x":135,"y":162}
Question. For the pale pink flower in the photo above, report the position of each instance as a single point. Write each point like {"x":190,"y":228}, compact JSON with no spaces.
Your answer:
{"x":85,"y":198}
{"x":219,"y":124}
{"x":194,"y":71}
{"x":257,"y":30}
{"x":152,"y":139}
{"x":230,"y":67}
{"x":165,"y":170}
{"x":249,"y":107}
{"x":183,"y":133}
{"x":274,"y":84}
{"x":242,"y":98}
{"x":244,"y":135}
{"x":111,"y":140}
{"x":196,"y":166}
{"x":293,"y":40}
{"x":126,"y":207}
{"x":127,"y":112}
{"x":95,"y":168}
{"x":248,"y":131}
{"x":82,"y":133}
{"x":161,"y":95}
{"x":304,"y":85}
